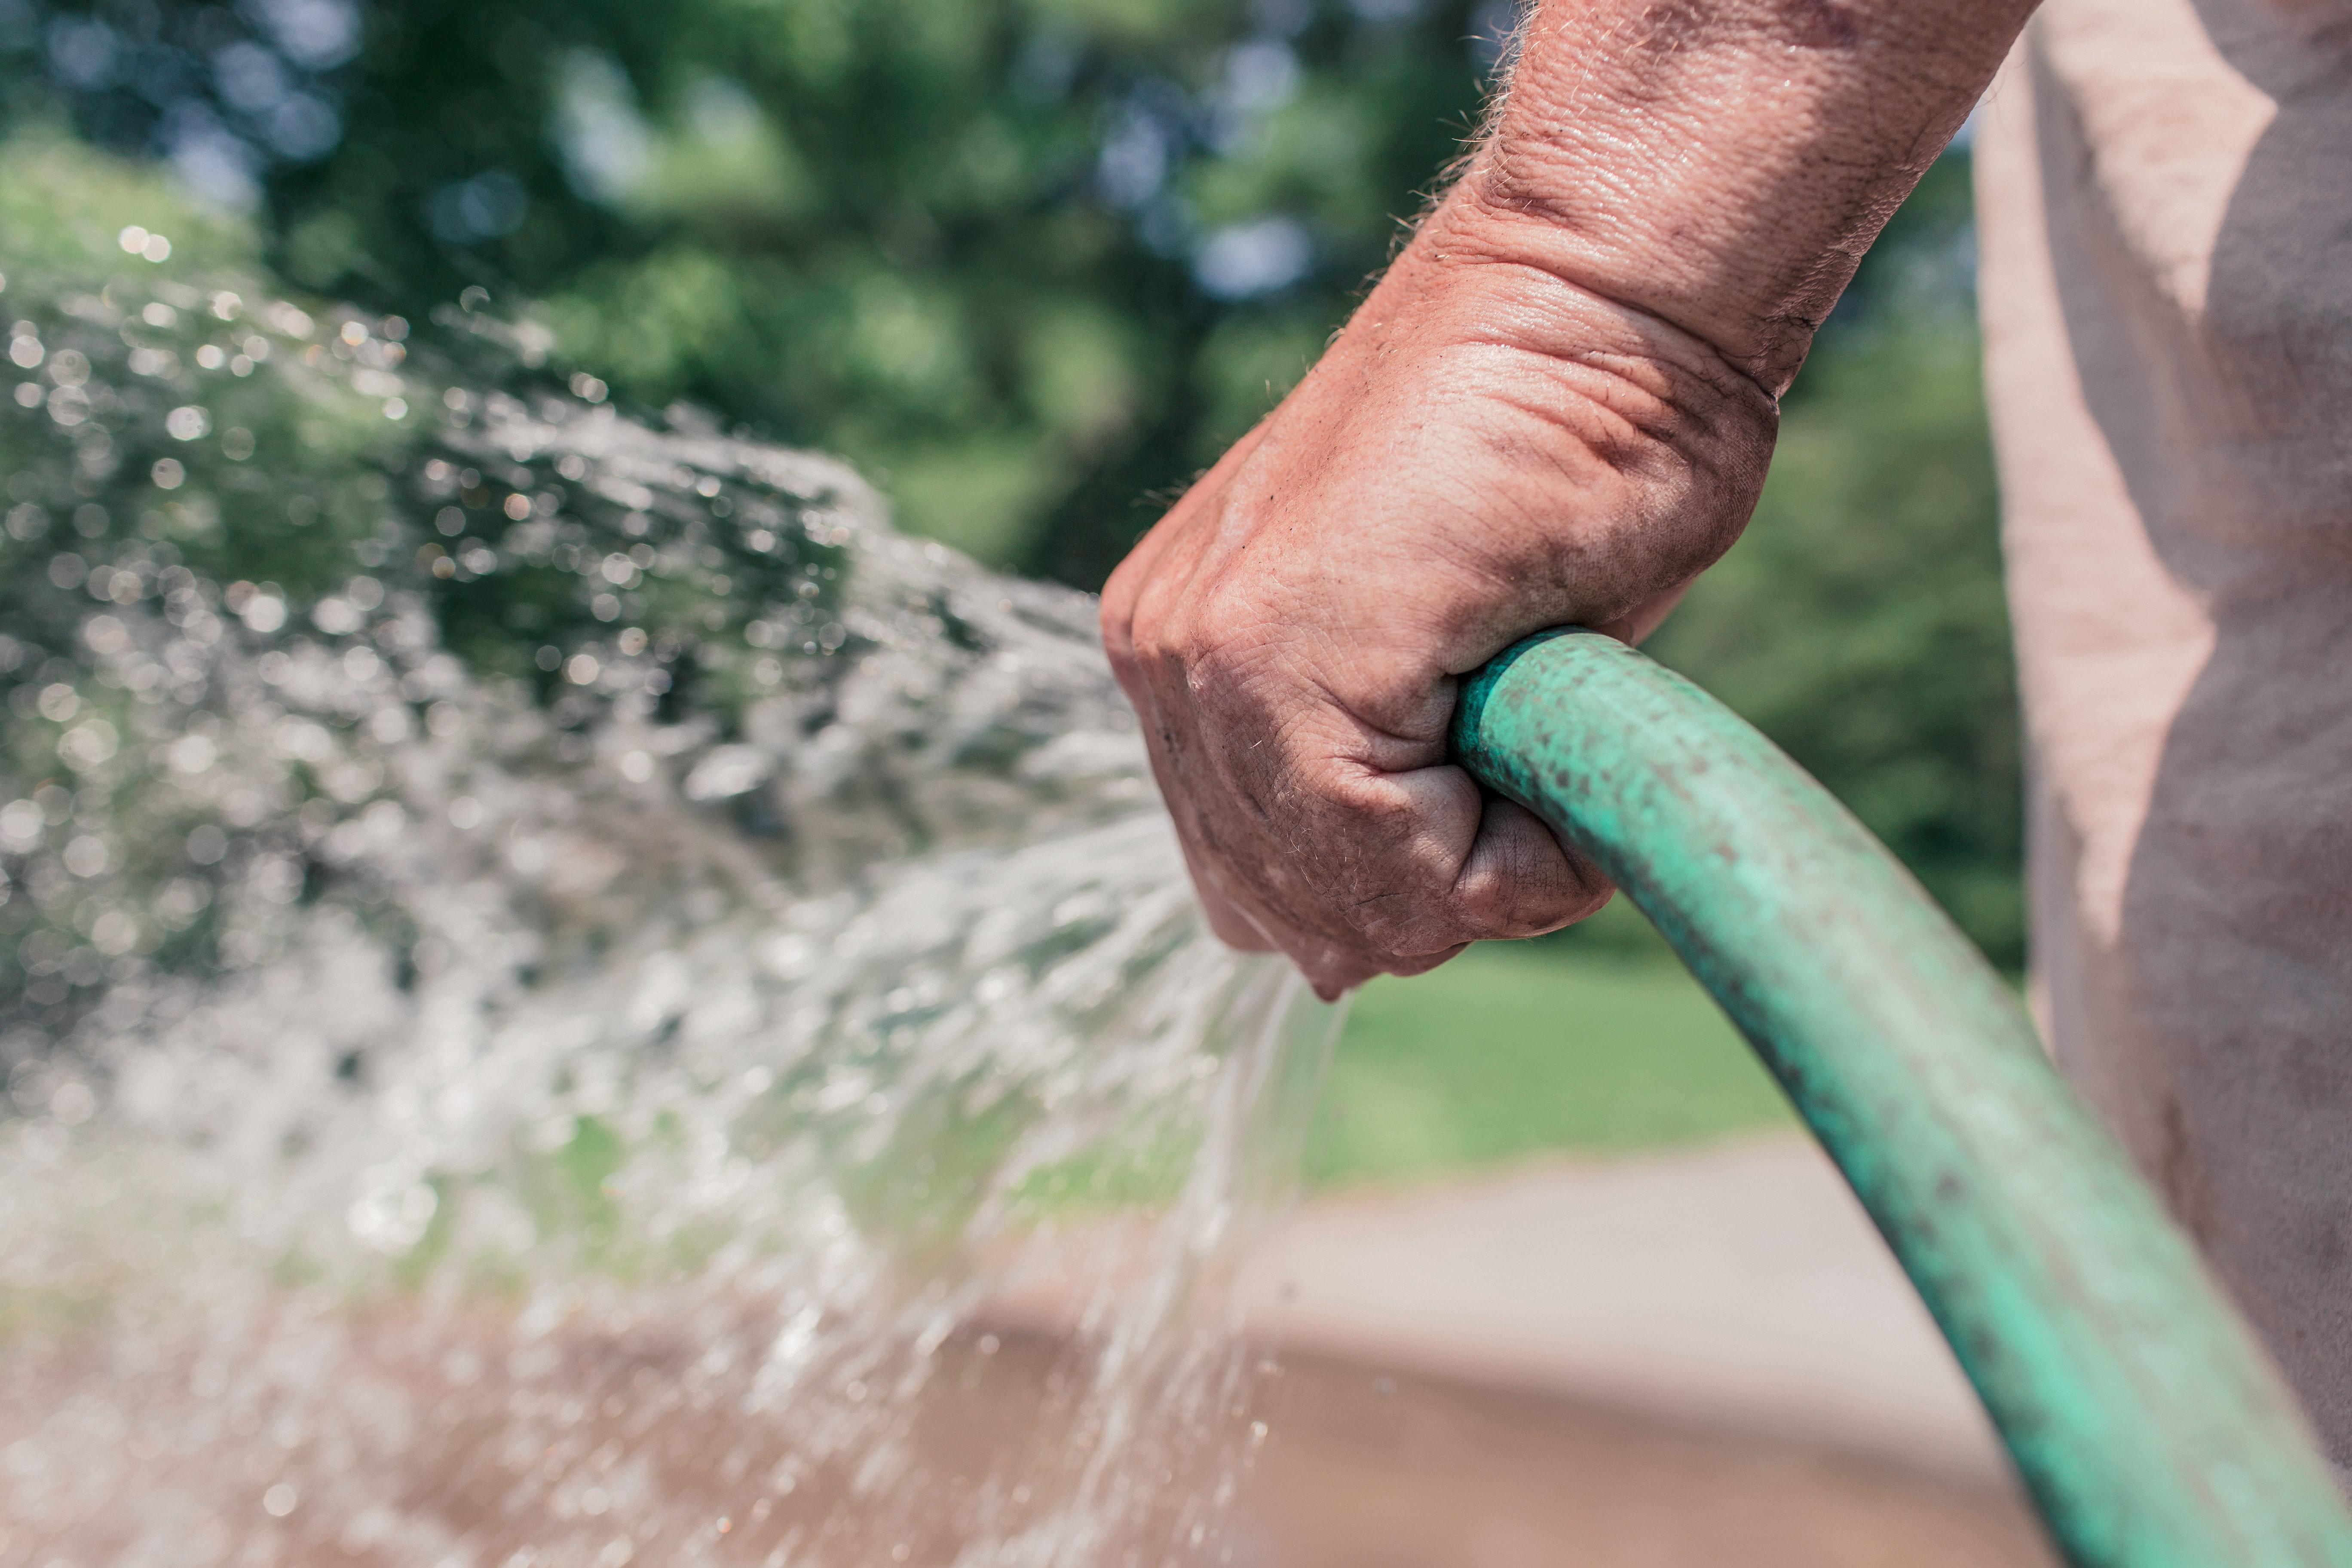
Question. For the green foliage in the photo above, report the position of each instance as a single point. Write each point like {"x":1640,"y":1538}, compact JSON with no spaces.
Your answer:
{"x":1000,"y":253}
{"x":63,"y":213}
{"x":172,"y":418}
{"x":997,"y":252}
{"x":191,"y":460}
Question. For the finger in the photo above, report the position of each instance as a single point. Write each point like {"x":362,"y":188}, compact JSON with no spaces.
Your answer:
{"x":1233,"y":917}
{"x":1456,"y":865}
{"x":1240,"y":920}
{"x":1643,"y":618}
{"x":1519,"y":880}
{"x":1334,"y":971}
{"x":1332,"y":967}
{"x":1423,"y":965}
{"x":1230,"y":921}
{"x":1396,"y":843}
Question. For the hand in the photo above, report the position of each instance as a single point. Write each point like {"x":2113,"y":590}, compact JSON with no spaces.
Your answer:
{"x":1556,"y":407}
{"x":1487,"y":450}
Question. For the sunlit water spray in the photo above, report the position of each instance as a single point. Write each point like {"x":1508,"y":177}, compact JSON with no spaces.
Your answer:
{"x":557,"y":976}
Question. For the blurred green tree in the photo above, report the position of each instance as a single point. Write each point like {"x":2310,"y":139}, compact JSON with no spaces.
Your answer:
{"x":1026,"y":261}
{"x":1033,"y":263}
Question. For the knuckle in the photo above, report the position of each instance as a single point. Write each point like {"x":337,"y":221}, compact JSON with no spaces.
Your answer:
{"x":1230,"y":623}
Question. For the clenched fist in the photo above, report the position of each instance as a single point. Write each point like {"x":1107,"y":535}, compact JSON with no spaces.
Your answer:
{"x":1556,"y":407}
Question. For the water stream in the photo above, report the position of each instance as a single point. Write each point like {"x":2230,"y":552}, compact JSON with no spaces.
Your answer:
{"x":557,"y":976}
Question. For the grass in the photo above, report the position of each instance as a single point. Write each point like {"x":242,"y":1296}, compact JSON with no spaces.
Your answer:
{"x":1601,"y":1045}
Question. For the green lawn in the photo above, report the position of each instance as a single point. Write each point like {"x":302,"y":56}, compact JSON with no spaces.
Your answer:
{"x":1517,"y":1049}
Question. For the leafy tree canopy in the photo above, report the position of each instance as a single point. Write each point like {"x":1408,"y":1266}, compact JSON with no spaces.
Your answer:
{"x":1024,"y":260}
{"x":1032,"y":263}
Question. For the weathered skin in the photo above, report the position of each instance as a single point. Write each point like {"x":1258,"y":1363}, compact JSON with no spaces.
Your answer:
{"x":1556,"y":407}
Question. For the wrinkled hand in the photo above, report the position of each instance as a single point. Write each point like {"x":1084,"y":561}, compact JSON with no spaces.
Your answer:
{"x":1487,"y":450}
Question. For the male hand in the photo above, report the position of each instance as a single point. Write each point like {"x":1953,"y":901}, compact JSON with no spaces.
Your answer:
{"x":1485,"y":451}
{"x":1556,"y":407}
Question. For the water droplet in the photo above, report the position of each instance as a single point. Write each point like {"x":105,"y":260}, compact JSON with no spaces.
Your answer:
{"x":72,"y":1103}
{"x":357,"y":898}
{"x":87,"y":745}
{"x":263,"y":613}
{"x":20,"y":825}
{"x":207,"y":845}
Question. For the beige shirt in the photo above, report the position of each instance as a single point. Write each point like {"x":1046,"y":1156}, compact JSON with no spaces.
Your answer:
{"x":2165,"y":205}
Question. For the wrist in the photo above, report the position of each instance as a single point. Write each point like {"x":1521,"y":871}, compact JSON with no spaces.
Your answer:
{"x":1478,"y":274}
{"x":1591,"y":455}
{"x":1723,"y":169}
{"x":1470,"y":307}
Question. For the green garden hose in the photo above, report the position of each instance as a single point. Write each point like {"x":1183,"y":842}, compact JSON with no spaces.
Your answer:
{"x":2146,"y":1422}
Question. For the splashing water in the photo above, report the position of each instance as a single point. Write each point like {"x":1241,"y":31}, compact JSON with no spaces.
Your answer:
{"x":556,"y":975}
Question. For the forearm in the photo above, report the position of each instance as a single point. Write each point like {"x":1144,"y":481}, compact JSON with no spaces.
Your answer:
{"x":1721,"y":164}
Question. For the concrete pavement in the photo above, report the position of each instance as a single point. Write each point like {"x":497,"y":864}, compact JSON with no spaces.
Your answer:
{"x":1738,"y":1287}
